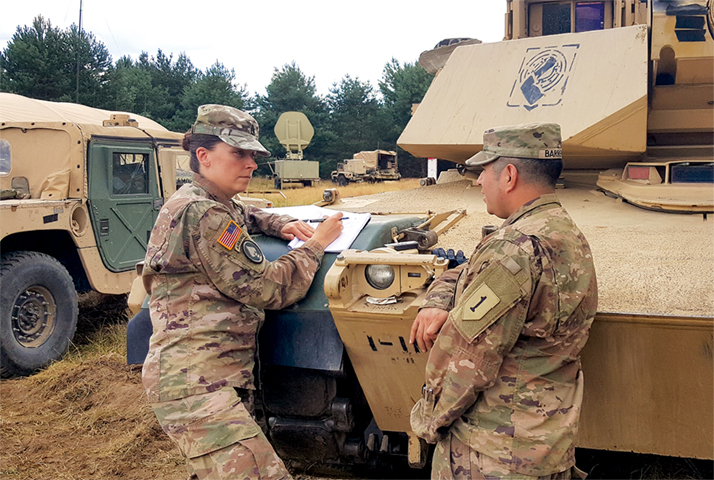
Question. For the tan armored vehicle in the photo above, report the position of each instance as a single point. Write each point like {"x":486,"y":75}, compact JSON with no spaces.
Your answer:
{"x":81,"y":188}
{"x":373,"y":166}
{"x":631,"y":84}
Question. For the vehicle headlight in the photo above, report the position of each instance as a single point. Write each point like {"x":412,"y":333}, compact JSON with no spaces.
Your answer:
{"x":380,"y":277}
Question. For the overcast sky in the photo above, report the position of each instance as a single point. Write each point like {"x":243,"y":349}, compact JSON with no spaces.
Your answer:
{"x":326,"y":39}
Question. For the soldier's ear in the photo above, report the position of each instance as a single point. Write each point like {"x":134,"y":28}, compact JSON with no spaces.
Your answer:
{"x":511,"y":173}
{"x":202,"y":154}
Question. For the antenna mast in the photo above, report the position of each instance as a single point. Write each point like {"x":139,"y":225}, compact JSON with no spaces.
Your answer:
{"x":79,"y":36}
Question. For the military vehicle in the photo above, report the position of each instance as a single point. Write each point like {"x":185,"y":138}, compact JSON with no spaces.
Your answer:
{"x":81,"y":188}
{"x":632,"y":85}
{"x":373,"y":166}
{"x":337,"y":386}
{"x":294,"y":132}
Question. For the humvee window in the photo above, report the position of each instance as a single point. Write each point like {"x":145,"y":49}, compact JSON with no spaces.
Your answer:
{"x":130,"y":173}
{"x":589,"y":16}
{"x":5,"y":162}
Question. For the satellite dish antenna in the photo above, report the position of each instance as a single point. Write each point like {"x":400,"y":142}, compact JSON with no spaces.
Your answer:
{"x":294,"y":132}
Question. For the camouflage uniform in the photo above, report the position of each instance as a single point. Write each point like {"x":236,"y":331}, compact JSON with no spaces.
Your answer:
{"x":209,"y":283}
{"x":503,"y":382}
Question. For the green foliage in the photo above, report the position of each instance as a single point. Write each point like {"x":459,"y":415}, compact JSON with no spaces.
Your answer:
{"x":358,"y":120}
{"x":40,"y":61}
{"x":214,"y":86}
{"x":402,"y":86}
{"x":290,"y":90}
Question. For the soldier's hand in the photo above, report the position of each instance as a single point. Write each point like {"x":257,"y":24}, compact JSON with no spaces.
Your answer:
{"x":298,"y":229}
{"x":426,"y":327}
{"x":328,"y":231}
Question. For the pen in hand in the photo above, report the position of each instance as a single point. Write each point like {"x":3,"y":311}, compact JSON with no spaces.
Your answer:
{"x":320,"y":220}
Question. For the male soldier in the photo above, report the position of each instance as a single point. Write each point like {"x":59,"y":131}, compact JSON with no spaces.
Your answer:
{"x":503,"y":383}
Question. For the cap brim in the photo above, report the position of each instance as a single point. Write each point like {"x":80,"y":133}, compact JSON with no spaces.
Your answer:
{"x":481,"y":158}
{"x":245,"y":144}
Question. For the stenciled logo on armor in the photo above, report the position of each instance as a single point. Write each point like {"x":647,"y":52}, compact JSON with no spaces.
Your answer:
{"x":543,"y":76}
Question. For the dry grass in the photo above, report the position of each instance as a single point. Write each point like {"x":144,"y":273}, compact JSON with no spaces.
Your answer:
{"x":260,"y":186}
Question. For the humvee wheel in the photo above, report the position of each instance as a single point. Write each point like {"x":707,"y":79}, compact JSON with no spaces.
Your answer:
{"x":38,"y":312}
{"x":342,"y":181}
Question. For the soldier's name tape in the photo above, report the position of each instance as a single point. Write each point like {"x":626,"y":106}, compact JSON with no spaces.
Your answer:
{"x":551,"y":153}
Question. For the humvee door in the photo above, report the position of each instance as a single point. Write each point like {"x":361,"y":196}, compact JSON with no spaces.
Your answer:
{"x":124,"y":199}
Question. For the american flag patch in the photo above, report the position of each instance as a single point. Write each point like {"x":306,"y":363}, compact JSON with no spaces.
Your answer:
{"x":230,"y":235}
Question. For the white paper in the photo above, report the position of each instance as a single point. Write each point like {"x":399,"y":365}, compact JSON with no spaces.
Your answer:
{"x":352,"y":224}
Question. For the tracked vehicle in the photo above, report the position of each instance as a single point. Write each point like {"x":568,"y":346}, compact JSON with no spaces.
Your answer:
{"x":631,"y":83}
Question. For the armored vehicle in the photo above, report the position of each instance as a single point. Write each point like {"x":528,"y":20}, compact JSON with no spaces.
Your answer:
{"x":632,"y":85}
{"x":294,"y":132}
{"x":348,"y":378}
{"x":374,"y":166}
{"x":81,"y":188}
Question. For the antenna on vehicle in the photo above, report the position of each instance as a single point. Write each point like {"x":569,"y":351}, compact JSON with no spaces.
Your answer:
{"x":79,"y":37}
{"x":294,"y":132}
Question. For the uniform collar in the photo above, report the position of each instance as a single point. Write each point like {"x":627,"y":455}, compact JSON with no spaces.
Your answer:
{"x":530,"y":206}
{"x":212,"y":190}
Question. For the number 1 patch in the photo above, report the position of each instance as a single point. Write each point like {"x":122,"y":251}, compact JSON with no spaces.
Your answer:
{"x":480,"y":303}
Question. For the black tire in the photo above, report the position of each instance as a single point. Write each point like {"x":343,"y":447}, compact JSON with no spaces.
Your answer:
{"x":34,"y":285}
{"x":342,"y":181}
{"x":278,"y":183}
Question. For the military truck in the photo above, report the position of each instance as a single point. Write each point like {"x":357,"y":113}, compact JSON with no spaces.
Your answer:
{"x":81,"y":189}
{"x":373,"y":166}
{"x":347,"y":376}
{"x":294,"y":132}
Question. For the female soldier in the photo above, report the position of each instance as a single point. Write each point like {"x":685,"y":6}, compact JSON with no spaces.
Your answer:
{"x":209,"y":283}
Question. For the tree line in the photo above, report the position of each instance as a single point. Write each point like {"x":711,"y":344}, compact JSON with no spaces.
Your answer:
{"x":44,"y":62}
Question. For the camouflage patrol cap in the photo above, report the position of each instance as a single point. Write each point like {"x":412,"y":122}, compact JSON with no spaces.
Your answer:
{"x":532,"y":140}
{"x":233,"y":126}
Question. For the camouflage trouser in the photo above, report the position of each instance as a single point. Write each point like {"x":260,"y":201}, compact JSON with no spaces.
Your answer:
{"x":219,"y":438}
{"x":455,"y":460}
{"x":252,"y":458}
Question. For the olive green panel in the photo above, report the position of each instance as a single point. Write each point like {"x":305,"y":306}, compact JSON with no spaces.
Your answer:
{"x":122,"y":192}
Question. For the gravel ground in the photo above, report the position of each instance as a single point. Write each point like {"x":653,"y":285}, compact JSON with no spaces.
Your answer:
{"x":646,"y":262}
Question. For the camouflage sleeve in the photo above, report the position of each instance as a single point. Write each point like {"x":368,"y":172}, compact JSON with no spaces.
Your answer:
{"x":237,"y":267}
{"x":260,"y":221}
{"x":482,"y":328}
{"x":441,"y":292}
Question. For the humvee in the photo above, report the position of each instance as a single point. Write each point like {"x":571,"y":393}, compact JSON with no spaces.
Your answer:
{"x":81,"y":189}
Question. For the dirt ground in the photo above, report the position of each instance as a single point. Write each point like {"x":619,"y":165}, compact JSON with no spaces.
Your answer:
{"x":89,"y":421}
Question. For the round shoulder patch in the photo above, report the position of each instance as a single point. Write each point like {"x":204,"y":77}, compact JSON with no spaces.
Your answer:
{"x":252,"y":251}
